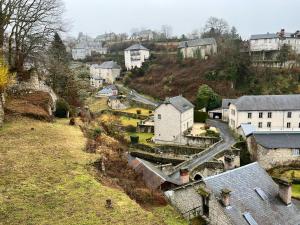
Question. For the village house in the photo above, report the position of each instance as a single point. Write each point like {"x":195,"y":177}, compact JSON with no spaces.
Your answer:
{"x":243,"y":196}
{"x":107,"y":72}
{"x":85,"y":46}
{"x":265,"y":47}
{"x":110,"y":90}
{"x":275,"y":148}
{"x":135,"y":56}
{"x":266,"y":112}
{"x":198,"y":48}
{"x":116,"y":102}
{"x":171,"y":119}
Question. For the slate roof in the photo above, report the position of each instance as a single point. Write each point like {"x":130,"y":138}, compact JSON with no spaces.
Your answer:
{"x":268,"y":103}
{"x":197,"y":42}
{"x":109,"y":65}
{"x":136,"y":47}
{"x":180,"y":103}
{"x":225,"y":103}
{"x":263,"y":36}
{"x":153,"y":176}
{"x":278,"y":139}
{"x":247,"y":128}
{"x":108,"y":89}
{"x":243,"y":182}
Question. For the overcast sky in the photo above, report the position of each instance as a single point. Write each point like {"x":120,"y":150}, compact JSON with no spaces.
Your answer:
{"x":95,"y":17}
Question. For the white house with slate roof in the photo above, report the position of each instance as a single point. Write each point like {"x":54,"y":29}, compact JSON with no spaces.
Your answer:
{"x":171,"y":119}
{"x":135,"y":56}
{"x":266,"y":112}
{"x":265,"y":47}
{"x":198,"y":48}
{"x":243,"y":196}
{"x":107,"y":72}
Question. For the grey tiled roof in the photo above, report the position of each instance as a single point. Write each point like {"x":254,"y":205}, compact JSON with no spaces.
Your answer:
{"x":110,"y":65}
{"x":197,"y":42}
{"x":243,"y":182}
{"x":225,"y":103}
{"x":278,"y":140}
{"x":268,"y":103}
{"x":180,"y":103}
{"x":136,"y":47}
{"x":263,"y":36}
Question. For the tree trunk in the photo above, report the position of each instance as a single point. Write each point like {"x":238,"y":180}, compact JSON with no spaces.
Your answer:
{"x":1,"y":109}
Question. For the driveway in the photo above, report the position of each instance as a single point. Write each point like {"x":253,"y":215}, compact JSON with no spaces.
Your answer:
{"x":228,"y":141}
{"x":135,"y":96}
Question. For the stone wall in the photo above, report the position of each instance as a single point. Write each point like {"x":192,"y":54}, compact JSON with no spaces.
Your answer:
{"x":269,"y":158}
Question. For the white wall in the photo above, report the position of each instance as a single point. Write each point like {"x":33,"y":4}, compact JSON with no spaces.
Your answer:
{"x":135,"y":58}
{"x":278,"y":121}
{"x":171,"y":126}
{"x":206,"y":50}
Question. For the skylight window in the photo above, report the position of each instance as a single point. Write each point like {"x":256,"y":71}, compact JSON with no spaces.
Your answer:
{"x":248,"y":217}
{"x":261,"y":193}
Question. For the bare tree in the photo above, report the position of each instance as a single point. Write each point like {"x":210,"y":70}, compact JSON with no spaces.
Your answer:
{"x":31,"y":25}
{"x":215,"y":27}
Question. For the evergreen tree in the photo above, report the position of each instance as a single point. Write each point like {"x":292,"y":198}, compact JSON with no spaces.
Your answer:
{"x":61,"y":78}
{"x":206,"y":97}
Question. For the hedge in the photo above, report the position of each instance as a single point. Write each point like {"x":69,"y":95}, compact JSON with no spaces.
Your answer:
{"x":200,"y":117}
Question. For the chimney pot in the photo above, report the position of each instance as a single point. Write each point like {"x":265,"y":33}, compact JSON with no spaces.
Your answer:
{"x":225,"y":197}
{"x":184,"y":175}
{"x":285,"y":191}
{"x":229,"y":162}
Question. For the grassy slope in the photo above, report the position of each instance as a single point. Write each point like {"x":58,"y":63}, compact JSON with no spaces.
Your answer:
{"x":44,"y":180}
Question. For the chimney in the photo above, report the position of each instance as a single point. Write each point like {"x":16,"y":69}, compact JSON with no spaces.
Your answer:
{"x":184,"y":176}
{"x":282,"y":33}
{"x":285,"y":191}
{"x":229,"y":162}
{"x":225,"y":197}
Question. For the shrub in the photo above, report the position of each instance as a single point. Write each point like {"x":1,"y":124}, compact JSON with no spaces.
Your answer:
{"x":130,"y":128}
{"x":97,"y":132}
{"x":138,"y":111}
{"x":62,"y":108}
{"x":211,"y":133}
{"x":134,"y":139}
{"x":200,"y":117}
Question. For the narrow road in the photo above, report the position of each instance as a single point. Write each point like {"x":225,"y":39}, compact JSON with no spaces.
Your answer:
{"x":228,"y":141}
{"x":134,"y":95}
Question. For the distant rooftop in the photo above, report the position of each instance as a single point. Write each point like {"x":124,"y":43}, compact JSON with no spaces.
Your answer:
{"x":110,"y":65}
{"x":273,"y":140}
{"x":197,"y":42}
{"x":268,"y":103}
{"x":180,"y":103}
{"x":225,"y":103}
{"x":136,"y":47}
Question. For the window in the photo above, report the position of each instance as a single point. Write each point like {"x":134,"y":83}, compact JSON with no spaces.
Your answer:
{"x":299,"y":125}
{"x":288,"y":125}
{"x":269,"y":115}
{"x":248,"y":217}
{"x":249,"y":115}
{"x":269,"y":124}
{"x":260,"y":125}
{"x":289,"y":115}
{"x":296,"y":152}
{"x":261,"y":193}
{"x":260,"y":115}
{"x":159,"y":116}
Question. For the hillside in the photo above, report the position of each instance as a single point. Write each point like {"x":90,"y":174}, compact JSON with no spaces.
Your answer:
{"x":167,"y":77}
{"x":46,"y":178}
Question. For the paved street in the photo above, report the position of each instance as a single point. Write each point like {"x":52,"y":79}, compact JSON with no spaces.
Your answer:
{"x":134,"y":95}
{"x":228,"y":141}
